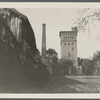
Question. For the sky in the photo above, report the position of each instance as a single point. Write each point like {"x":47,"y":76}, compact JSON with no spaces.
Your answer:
{"x":61,"y":19}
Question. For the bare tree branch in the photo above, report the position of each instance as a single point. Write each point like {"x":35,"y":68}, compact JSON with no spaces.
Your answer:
{"x":86,"y":17}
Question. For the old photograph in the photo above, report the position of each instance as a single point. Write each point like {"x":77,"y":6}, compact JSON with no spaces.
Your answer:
{"x":50,"y":50}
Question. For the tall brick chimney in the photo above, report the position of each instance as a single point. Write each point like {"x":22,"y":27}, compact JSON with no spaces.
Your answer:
{"x":43,"y":40}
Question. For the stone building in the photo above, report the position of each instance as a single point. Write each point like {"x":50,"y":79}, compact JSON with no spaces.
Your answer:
{"x":69,"y":45}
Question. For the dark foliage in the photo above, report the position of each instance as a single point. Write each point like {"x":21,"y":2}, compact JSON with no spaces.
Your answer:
{"x":41,"y":74}
{"x":52,"y":55}
{"x":67,"y":66}
{"x":88,"y":67}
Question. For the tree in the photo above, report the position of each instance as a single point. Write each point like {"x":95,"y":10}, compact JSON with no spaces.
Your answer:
{"x":67,"y":66}
{"x":86,"y":17}
{"x":96,"y":56}
{"x":52,"y":56}
{"x":88,"y":66}
{"x":80,"y":60}
{"x":41,"y":73}
{"x":37,"y":57}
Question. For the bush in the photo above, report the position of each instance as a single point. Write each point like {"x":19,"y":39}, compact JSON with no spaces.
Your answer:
{"x":67,"y":65}
{"x":41,"y":74}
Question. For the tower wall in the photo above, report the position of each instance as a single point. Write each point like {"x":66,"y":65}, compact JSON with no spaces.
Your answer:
{"x":69,"y":46}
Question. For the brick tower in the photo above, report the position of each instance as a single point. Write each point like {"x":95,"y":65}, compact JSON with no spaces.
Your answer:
{"x":69,"y":45}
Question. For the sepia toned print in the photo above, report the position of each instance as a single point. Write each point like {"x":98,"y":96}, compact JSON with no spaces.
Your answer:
{"x":49,"y":50}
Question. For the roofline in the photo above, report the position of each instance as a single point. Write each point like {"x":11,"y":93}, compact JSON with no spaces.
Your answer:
{"x":67,"y":32}
{"x":17,"y":12}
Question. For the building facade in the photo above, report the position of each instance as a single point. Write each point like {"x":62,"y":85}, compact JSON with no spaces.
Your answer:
{"x":69,"y":45}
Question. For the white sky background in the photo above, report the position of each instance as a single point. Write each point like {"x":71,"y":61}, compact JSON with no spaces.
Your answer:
{"x":61,"y":19}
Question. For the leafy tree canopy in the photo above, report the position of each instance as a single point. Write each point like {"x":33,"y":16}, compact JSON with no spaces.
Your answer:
{"x":52,"y":55}
{"x":96,"y":56}
{"x":67,"y":63}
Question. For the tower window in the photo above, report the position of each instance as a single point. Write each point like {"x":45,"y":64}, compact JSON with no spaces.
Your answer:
{"x":72,"y":48}
{"x":68,"y":54}
{"x":65,"y":44}
{"x":68,"y":43}
{"x":72,"y":43}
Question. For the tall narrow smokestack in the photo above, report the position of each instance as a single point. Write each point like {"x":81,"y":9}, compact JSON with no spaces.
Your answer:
{"x":43,"y":41}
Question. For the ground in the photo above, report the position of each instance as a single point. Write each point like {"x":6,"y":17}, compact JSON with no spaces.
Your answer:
{"x":67,"y":84}
{"x":91,"y":84}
